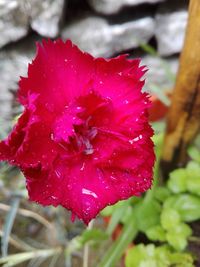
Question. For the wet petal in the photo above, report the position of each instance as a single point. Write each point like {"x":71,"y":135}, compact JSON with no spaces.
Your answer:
{"x":83,"y":141}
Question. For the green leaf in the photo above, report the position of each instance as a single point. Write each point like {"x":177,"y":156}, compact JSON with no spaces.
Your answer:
{"x":183,"y":229}
{"x":177,"y":237}
{"x":169,"y":218}
{"x":188,"y":206}
{"x":161,"y":193}
{"x":127,"y":215}
{"x":7,"y":227}
{"x":177,"y":181}
{"x":193,"y":180}
{"x":162,"y":256}
{"x":178,"y":242}
{"x":108,"y":211}
{"x":149,"y":49}
{"x":135,"y":256}
{"x":151,"y":256}
{"x":194,"y":153}
{"x":117,"y":215}
{"x":92,"y":235}
{"x":156,"y":233}
{"x":181,"y":260}
{"x":193,"y":168}
{"x":147,"y":214}
{"x":147,"y":256}
{"x":115,"y":252}
{"x":193,"y":185}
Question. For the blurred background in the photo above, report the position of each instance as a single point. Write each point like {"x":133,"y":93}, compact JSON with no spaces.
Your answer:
{"x":150,"y":29}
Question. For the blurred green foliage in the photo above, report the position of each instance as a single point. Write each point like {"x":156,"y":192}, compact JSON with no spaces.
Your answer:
{"x":163,"y":214}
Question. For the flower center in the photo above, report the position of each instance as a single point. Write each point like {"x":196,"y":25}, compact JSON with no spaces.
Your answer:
{"x":81,"y":121}
{"x":83,"y":136}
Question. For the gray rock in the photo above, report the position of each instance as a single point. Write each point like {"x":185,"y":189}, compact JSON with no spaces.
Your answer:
{"x":161,"y":73}
{"x":46,"y":16}
{"x":14,"y":63}
{"x":96,"y":36}
{"x":113,"y":6}
{"x":170,"y":31}
{"x":13,"y":21}
{"x":16,"y":16}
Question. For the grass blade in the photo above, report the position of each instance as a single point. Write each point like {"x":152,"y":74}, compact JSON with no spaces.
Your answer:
{"x":117,"y":249}
{"x":7,"y":227}
{"x":15,"y":259}
{"x":117,"y":216}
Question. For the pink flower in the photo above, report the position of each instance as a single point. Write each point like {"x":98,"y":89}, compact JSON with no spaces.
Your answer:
{"x":83,"y":140}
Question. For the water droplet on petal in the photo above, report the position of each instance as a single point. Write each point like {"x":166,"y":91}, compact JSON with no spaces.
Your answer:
{"x":89,"y":192}
{"x":79,"y":108}
{"x":131,"y":141}
{"x":58,"y":174}
{"x":126,"y":102}
{"x":83,"y":167}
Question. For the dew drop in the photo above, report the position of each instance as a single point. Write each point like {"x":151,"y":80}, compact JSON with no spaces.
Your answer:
{"x":58,"y":174}
{"x":83,"y":167}
{"x":126,"y":102}
{"x":78,"y":108}
{"x":113,"y":178}
{"x":89,"y":192}
{"x":131,"y":141}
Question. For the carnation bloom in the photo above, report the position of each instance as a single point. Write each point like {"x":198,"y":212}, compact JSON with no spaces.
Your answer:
{"x":83,"y":140}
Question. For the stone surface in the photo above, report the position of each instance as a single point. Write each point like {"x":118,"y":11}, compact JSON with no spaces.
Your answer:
{"x":46,"y":16}
{"x":96,"y":36}
{"x":170,"y":31}
{"x":13,"y":64}
{"x":161,"y":73}
{"x":13,"y":21}
{"x":17,"y":15}
{"x":113,"y":6}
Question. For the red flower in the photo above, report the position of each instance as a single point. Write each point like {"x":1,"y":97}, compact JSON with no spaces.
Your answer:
{"x":83,"y":140}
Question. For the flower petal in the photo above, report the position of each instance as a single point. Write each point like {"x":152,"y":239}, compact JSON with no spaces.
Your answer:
{"x":83,"y":140}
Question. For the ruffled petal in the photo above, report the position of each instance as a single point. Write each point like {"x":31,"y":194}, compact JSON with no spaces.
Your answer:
{"x":83,"y":140}
{"x":57,"y":73}
{"x":10,"y":146}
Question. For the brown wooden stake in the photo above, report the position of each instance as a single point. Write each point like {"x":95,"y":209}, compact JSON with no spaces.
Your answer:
{"x":183,"y":121}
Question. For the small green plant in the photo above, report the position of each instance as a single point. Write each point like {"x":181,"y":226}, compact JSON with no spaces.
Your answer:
{"x":156,"y":256}
{"x":164,"y":215}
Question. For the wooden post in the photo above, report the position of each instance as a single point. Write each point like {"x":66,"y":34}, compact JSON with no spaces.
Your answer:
{"x":183,"y":121}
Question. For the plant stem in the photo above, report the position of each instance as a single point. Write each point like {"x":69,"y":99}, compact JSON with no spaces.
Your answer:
{"x":116,"y":251}
{"x":183,"y":119}
{"x":86,"y":248}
